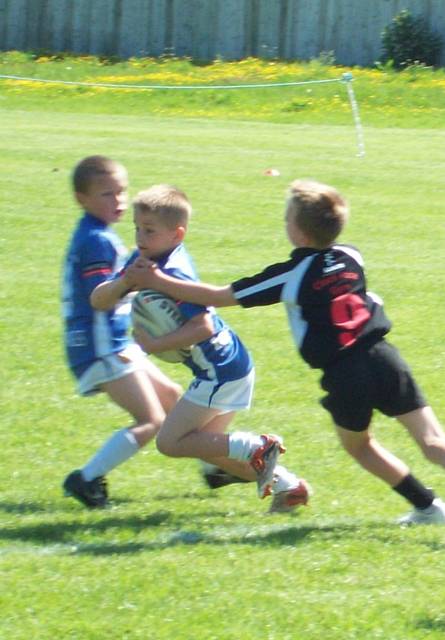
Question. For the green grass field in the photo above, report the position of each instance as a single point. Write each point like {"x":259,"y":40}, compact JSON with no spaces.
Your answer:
{"x":173,"y":560}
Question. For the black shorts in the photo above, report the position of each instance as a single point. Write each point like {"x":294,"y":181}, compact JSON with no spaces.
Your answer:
{"x":369,"y":378}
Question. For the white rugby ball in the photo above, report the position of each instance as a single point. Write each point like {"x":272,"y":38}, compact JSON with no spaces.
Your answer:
{"x":158,"y":315}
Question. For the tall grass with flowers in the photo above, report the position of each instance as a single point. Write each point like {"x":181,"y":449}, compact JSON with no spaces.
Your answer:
{"x":414,"y":97}
{"x":171,"y":558}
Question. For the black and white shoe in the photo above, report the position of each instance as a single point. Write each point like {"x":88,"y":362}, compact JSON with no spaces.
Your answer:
{"x":92,"y":494}
{"x":215,"y":478}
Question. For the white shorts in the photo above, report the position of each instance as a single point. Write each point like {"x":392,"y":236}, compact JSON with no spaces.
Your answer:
{"x":112,"y":367}
{"x":228,"y":396}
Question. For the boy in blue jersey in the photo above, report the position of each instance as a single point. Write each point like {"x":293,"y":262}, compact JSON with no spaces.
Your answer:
{"x":222,"y":367}
{"x":100,"y":353}
{"x":339,"y":327}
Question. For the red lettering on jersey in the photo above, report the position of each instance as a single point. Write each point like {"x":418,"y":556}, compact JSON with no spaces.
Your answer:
{"x":339,"y":290}
{"x":324,"y":282}
{"x":328,"y":280}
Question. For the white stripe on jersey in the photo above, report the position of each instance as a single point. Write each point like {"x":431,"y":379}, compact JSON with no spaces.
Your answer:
{"x":375,"y":297}
{"x":101,"y":334}
{"x":199,"y":359}
{"x":289,"y":296}
{"x":261,"y":286}
{"x":350,"y":251}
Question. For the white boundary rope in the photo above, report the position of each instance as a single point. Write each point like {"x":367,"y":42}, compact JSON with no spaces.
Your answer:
{"x":167,"y":86}
{"x":346,"y":78}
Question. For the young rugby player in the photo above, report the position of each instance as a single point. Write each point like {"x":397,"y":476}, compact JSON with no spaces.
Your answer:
{"x":100,"y":353}
{"x":340,"y":328}
{"x":222,"y":367}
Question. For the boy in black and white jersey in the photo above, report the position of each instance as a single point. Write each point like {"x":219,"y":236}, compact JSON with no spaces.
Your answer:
{"x":338,"y":327}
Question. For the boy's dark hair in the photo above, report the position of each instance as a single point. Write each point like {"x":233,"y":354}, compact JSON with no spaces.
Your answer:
{"x":319,"y":211}
{"x":88,"y":168}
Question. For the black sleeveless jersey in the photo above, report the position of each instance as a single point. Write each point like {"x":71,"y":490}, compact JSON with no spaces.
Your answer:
{"x":328,"y":306}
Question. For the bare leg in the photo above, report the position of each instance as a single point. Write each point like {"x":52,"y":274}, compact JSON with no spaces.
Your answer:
{"x":198,"y":432}
{"x":167,"y":391}
{"x":426,"y":430}
{"x":365,"y":449}
{"x":136,"y":394}
{"x":183,"y":433}
{"x":239,"y":468}
{"x":147,"y":396}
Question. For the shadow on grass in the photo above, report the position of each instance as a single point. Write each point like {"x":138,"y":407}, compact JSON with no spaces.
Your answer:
{"x":69,"y":537}
{"x":25,"y":508}
{"x":45,"y":532}
{"x":429,"y":623}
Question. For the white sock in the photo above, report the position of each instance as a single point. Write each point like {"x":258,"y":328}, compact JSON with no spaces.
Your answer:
{"x":242,"y":444}
{"x":120,"y":447}
{"x":284,"y":479}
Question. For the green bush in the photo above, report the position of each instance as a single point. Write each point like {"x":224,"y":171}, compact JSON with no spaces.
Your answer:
{"x":408,"y":40}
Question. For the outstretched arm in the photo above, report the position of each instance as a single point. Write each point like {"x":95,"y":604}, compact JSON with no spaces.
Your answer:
{"x":145,"y":275}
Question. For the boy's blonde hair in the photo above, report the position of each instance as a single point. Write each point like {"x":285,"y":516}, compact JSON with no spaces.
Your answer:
{"x":169,"y":204}
{"x":89,"y":168}
{"x":318,"y":210}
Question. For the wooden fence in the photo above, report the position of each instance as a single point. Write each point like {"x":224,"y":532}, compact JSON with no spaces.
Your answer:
{"x":206,"y":29}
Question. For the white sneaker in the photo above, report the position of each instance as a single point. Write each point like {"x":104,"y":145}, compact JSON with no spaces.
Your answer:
{"x":263,"y":460}
{"x":435,"y":514}
{"x":289,"y":500}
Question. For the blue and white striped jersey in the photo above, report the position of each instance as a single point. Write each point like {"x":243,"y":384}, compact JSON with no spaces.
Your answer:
{"x":95,"y":254}
{"x":223,"y":357}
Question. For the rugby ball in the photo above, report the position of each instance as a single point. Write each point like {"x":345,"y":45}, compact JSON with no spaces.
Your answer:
{"x":158,"y":315}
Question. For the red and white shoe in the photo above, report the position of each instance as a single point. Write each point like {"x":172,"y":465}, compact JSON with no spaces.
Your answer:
{"x":263,"y":460}
{"x":287,"y":501}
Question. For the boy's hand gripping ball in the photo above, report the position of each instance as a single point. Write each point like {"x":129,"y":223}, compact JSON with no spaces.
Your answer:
{"x":158,"y":315}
